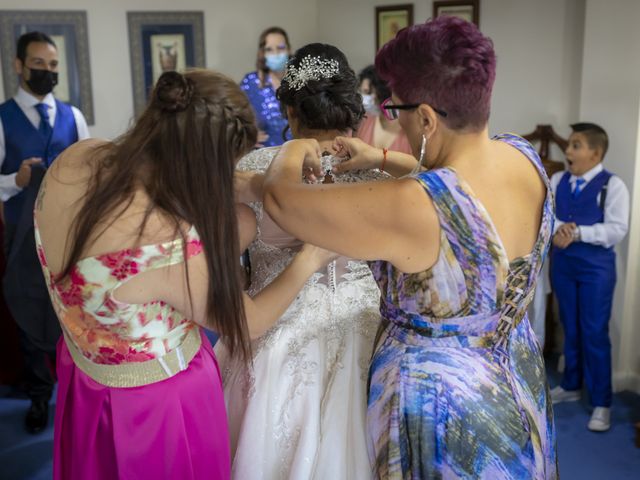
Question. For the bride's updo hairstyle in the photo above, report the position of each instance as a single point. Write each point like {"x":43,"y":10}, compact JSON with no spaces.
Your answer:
{"x":181,"y":153}
{"x":446,"y":63}
{"x":322,"y":89}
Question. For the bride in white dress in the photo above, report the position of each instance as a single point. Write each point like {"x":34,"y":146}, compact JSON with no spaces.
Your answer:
{"x":298,"y":412}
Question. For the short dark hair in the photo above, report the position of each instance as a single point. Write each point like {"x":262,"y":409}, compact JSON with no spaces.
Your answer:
{"x":31,"y":37}
{"x":328,"y":103}
{"x":447,"y":63}
{"x":596,"y":135}
{"x":380,"y":86}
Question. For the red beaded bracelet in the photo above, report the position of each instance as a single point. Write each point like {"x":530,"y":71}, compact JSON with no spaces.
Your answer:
{"x":384,"y":159}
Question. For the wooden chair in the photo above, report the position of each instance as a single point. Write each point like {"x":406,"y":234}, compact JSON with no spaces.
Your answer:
{"x":545,"y":135}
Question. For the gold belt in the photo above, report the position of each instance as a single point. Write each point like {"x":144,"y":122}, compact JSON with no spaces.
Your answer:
{"x":137,"y":374}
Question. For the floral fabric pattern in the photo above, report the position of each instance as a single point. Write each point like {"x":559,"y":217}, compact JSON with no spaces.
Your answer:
{"x":106,"y":330}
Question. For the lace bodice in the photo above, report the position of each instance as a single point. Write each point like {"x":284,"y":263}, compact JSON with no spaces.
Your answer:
{"x":273,"y":249}
{"x":303,"y":398}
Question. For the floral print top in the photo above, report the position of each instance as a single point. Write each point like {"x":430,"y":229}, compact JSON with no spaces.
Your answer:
{"x":108,"y":331}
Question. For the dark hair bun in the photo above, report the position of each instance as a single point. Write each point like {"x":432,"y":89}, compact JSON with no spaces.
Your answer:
{"x":319,"y":103}
{"x":173,"y":92}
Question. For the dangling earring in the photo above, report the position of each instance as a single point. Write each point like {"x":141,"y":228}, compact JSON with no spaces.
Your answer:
{"x":423,"y":149}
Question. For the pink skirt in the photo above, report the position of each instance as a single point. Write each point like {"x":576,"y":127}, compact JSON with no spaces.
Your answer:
{"x":176,"y":428}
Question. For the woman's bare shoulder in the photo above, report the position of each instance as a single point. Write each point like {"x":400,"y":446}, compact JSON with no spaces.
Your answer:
{"x":80,"y":155}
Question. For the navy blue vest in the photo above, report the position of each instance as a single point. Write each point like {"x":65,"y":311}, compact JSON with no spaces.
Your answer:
{"x":582,"y":210}
{"x":22,"y":141}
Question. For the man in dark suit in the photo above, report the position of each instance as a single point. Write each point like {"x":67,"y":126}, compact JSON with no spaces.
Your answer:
{"x":28,"y":299}
{"x":35,"y":128}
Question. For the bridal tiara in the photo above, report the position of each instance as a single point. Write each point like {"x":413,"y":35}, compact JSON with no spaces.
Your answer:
{"x":310,"y":68}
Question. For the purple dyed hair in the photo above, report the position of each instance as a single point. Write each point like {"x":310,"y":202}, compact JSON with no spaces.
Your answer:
{"x":446,"y":63}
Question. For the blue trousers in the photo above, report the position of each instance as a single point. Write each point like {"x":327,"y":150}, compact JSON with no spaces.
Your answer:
{"x":584,"y":289}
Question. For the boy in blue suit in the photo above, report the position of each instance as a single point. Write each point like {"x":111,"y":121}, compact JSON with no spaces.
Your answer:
{"x":592,"y":215}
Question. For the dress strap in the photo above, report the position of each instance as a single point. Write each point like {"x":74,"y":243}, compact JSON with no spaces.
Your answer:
{"x":172,"y":252}
{"x":527,"y":150}
{"x":125,"y":264}
{"x":541,"y":247}
{"x":122,"y":265}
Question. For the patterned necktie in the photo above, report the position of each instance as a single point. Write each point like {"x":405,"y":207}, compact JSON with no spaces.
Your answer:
{"x":578,"y":188}
{"x":45,"y":127}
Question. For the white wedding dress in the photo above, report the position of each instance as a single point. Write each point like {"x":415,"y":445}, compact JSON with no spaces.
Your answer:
{"x":299,"y":411}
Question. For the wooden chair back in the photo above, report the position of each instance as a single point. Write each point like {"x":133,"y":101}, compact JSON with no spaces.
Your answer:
{"x":547,"y":136}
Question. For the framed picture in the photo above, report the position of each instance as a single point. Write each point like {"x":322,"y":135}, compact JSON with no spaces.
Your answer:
{"x":390,"y":20}
{"x":161,"y":42}
{"x":68,"y":29}
{"x":468,"y":10}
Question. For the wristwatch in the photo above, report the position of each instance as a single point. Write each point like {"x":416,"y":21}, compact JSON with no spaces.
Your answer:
{"x":576,"y":234}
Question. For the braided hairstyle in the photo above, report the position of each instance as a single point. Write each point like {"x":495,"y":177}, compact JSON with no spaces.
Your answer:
{"x":182,"y":153}
{"x":326,"y":103}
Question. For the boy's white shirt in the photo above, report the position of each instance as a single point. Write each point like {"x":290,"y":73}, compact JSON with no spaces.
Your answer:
{"x":616,"y":209}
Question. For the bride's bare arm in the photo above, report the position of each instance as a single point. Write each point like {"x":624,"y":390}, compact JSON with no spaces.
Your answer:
{"x":270,"y":304}
{"x":262,"y":311}
{"x":248,"y":186}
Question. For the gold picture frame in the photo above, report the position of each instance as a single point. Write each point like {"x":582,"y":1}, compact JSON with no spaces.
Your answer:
{"x":162,"y":41}
{"x":468,"y":10}
{"x":390,"y":20}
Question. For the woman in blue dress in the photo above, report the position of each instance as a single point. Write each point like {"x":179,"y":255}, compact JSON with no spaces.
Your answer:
{"x":457,"y":385}
{"x":260,"y":86}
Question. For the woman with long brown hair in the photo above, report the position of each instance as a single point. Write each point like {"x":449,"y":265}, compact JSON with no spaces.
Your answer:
{"x":138,"y":239}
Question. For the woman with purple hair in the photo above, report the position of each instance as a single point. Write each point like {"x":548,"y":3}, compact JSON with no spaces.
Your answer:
{"x":457,"y":385}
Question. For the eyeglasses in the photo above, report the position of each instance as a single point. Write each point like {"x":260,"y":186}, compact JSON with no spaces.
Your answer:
{"x":392,"y":112}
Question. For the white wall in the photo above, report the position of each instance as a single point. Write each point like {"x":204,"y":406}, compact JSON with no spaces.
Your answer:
{"x":538,"y":45}
{"x":350,"y":26}
{"x":538,"y":58}
{"x":629,"y":376}
{"x":231,"y":36}
{"x":611,"y":96}
{"x":539,"y":50}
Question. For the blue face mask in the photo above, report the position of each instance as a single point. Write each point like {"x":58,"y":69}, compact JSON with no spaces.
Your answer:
{"x":276,"y":61}
{"x":370,"y":105}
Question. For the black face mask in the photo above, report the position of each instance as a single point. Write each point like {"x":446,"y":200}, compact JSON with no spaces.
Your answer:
{"x":41,"y":82}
